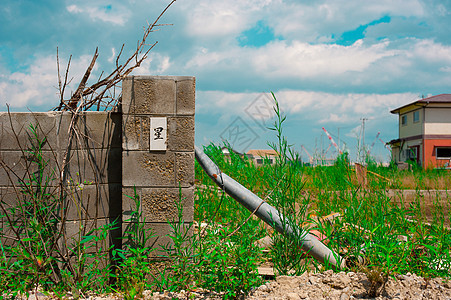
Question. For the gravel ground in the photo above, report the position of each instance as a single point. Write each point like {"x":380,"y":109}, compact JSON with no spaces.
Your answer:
{"x":327,"y":285}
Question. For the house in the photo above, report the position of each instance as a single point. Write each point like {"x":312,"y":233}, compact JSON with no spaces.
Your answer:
{"x":226,"y":152}
{"x":262,"y":155}
{"x":424,"y":132}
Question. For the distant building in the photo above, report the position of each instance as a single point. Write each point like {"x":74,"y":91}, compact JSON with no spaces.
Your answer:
{"x":226,"y":152}
{"x":260,"y":156}
{"x":424,"y":132}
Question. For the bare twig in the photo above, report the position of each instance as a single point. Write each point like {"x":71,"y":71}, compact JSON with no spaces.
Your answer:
{"x":76,"y":97}
{"x":94,"y":94}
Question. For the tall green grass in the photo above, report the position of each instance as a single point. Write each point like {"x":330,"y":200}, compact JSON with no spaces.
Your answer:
{"x":377,"y":232}
{"x":390,"y":235}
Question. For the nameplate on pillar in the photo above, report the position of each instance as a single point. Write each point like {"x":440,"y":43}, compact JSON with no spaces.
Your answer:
{"x":158,"y":134}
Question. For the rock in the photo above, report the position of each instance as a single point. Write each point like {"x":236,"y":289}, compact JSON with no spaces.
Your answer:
{"x":36,"y":296}
{"x":344,"y":296}
{"x":293,"y":296}
{"x":264,"y":243}
{"x":264,"y":288}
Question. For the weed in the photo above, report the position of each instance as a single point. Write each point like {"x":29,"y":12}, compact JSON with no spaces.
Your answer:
{"x":373,"y":221}
{"x":377,"y":279}
{"x":133,"y":261}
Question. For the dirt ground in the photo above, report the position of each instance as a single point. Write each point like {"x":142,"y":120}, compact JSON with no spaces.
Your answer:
{"x":327,"y":285}
{"x":342,"y":286}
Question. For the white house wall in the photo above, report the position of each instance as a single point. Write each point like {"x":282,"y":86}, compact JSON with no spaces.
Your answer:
{"x":438,"y":121}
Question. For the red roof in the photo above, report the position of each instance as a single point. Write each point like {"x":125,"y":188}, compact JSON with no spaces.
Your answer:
{"x":442,"y":98}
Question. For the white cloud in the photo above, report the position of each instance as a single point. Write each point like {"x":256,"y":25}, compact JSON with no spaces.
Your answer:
{"x":311,"y":22}
{"x":154,"y":64}
{"x":116,"y":14}
{"x":314,"y":106}
{"x":35,"y":87}
{"x":224,"y":102}
{"x":218,"y":18}
{"x":281,"y":59}
{"x":306,"y":113}
{"x":335,"y":118}
{"x":430,"y":51}
{"x":113,"y":55}
{"x":38,"y":85}
{"x":74,"y":9}
{"x":292,"y":19}
{"x":341,"y":107}
{"x":305,"y":60}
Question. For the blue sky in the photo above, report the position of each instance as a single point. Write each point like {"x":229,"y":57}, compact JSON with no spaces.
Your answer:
{"x":329,"y":63}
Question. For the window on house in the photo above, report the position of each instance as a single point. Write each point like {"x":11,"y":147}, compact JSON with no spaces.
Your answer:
{"x":443,"y":152}
{"x":411,"y":153}
{"x":416,"y":116}
{"x":403,"y":120}
{"x":261,"y":161}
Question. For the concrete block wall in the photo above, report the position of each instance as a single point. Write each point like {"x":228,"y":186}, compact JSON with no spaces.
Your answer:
{"x":110,"y":158}
{"x":93,"y":184}
{"x":159,"y":177}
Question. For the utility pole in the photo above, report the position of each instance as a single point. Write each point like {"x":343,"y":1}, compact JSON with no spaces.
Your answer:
{"x":322,"y":153}
{"x":363,"y":140}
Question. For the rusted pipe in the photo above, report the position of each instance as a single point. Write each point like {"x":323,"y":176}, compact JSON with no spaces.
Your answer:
{"x":267,"y":213}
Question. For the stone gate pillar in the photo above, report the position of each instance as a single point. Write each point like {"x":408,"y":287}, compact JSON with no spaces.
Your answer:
{"x":158,"y":150}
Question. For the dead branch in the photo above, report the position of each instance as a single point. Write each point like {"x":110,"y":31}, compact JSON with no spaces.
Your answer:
{"x":89,"y":96}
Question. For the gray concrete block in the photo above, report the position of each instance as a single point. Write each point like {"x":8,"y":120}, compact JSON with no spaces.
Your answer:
{"x":142,"y":168}
{"x":92,"y":201}
{"x":150,"y":95}
{"x":185,"y":169}
{"x":186,"y":90}
{"x":21,"y":167}
{"x":160,"y":204}
{"x":10,"y":237}
{"x":131,"y":206}
{"x":94,"y":235}
{"x":97,"y":261}
{"x":15,"y":133}
{"x":13,"y":199}
{"x":136,"y":132}
{"x":181,"y":133}
{"x":127,"y":93}
{"x":95,"y":165}
{"x":73,"y":233}
{"x":156,"y":235}
{"x":10,"y":198}
{"x":95,"y":130}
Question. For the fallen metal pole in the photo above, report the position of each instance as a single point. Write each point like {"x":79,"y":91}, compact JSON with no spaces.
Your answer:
{"x":267,"y":213}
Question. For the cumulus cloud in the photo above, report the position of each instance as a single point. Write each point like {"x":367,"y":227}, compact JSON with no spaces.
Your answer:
{"x":431,"y":51}
{"x":306,"y":60}
{"x":318,"y":107}
{"x":35,"y":87}
{"x":217,"y":18}
{"x":116,"y":14}
{"x":38,"y":85}
{"x":154,"y":64}
{"x":281,"y":59}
